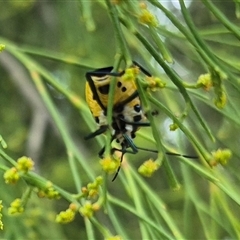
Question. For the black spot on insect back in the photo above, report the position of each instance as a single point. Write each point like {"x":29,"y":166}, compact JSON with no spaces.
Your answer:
{"x":137,"y":118}
{"x":124,"y":89}
{"x":119,"y":84}
{"x":104,"y":89}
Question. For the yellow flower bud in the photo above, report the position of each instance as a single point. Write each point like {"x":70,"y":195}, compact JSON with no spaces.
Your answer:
{"x":173,"y":127}
{"x":73,"y":207}
{"x":16,"y":206}
{"x":85,"y":191}
{"x":41,"y":194}
{"x":154,"y":83}
{"x":51,"y":193}
{"x":48,"y":191}
{"x":25,"y":164}
{"x":109,"y":164}
{"x":65,"y":216}
{"x":87,"y":210}
{"x":205,"y":81}
{"x":11,"y":175}
{"x":130,"y":74}
{"x":221,"y":156}
{"x":99,"y":180}
{"x":148,"y":168}
{"x":148,"y":18}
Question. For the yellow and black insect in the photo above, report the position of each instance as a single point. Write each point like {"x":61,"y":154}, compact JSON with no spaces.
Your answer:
{"x":128,"y":115}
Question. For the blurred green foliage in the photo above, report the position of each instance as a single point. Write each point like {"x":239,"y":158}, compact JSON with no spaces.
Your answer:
{"x":46,"y":118}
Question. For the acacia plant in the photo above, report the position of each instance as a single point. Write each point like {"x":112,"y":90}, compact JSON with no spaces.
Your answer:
{"x":187,"y":187}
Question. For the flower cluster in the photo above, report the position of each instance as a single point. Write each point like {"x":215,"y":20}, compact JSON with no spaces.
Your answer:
{"x":214,"y":79}
{"x":110,"y":164}
{"x":148,"y":168}
{"x":146,"y":17}
{"x":205,"y":81}
{"x":153,"y":83}
{"x":92,"y":189}
{"x":88,"y":209}
{"x":24,"y":164}
{"x":221,"y":156}
{"x":11,"y":176}
{"x":68,"y":215}
{"x":16,"y":206}
{"x":49,"y":192}
{"x":130,"y":74}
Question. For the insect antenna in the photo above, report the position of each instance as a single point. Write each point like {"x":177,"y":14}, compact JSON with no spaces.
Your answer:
{"x":168,"y":153}
{"x":99,"y":131}
{"x":181,"y":155}
{"x":135,"y":150}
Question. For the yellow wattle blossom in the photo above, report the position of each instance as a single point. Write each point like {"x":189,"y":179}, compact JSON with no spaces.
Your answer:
{"x":48,"y":192}
{"x":148,"y":18}
{"x":205,"y":81}
{"x":110,"y":164}
{"x":11,"y":176}
{"x":92,"y":189}
{"x":73,"y":207}
{"x":16,"y":206}
{"x":148,"y":168}
{"x":25,"y":164}
{"x":221,"y":156}
{"x":87,"y":210}
{"x":130,"y":74}
{"x":154,"y":83}
{"x":66,"y":216}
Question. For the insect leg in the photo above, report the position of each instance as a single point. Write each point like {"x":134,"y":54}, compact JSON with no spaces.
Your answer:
{"x":100,"y":154}
{"x":130,"y":143}
{"x":123,"y":150}
{"x":99,"y":131}
{"x":181,"y":155}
